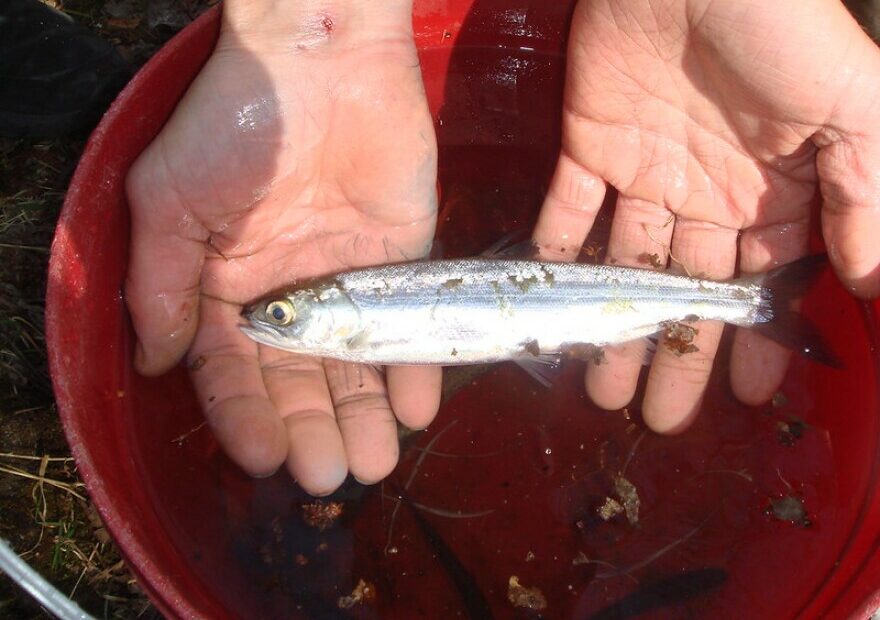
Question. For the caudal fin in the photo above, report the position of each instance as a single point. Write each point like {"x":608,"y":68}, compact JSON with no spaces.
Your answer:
{"x":780,"y":322}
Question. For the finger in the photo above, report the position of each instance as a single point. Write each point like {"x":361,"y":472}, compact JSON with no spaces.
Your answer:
{"x":847,"y":165}
{"x":640,"y":235}
{"x":298,"y":388}
{"x":225,"y":371}
{"x":569,"y":210}
{"x":414,"y":392}
{"x":676,"y":382}
{"x":850,"y":188}
{"x":758,"y":365}
{"x":367,"y":424}
{"x":162,"y":283}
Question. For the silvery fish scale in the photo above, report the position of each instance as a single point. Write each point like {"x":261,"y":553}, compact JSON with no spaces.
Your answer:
{"x":484,"y":310}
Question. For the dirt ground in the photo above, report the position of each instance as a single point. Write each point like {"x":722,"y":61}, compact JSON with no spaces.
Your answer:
{"x":45,"y":512}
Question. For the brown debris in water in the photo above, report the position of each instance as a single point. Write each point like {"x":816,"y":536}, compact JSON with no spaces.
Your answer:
{"x":779,"y":400}
{"x":629,"y":495}
{"x":277,"y":530}
{"x":364,"y":592}
{"x":790,"y":508}
{"x":320,"y":514}
{"x":593,"y":251}
{"x":788,"y":433}
{"x":652,"y":259}
{"x":610,"y":509}
{"x":679,"y":338}
{"x":521,"y":596}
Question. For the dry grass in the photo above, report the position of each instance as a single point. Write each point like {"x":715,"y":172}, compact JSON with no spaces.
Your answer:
{"x":45,"y":513}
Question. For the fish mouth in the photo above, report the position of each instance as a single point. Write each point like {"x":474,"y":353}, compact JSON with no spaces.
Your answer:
{"x":260,"y":336}
{"x":266,"y":335}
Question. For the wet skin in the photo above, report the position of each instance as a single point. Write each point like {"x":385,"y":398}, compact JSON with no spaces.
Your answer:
{"x":722,"y":125}
{"x":305,"y":147}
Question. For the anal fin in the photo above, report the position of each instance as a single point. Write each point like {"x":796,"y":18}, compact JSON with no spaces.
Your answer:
{"x":544,"y":369}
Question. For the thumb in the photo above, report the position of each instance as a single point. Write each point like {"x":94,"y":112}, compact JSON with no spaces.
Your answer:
{"x":848,"y":165}
{"x":164,"y":271}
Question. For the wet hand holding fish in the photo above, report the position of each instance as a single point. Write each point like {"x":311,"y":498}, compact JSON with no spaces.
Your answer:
{"x":479,"y":310}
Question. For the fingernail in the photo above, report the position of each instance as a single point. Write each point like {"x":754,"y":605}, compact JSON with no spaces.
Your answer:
{"x":261,"y":476}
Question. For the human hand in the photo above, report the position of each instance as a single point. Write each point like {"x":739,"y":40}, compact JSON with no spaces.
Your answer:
{"x":304,"y":146}
{"x":721,"y":124}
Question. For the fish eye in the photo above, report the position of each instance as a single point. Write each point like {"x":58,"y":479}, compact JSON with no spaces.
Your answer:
{"x":280,"y":312}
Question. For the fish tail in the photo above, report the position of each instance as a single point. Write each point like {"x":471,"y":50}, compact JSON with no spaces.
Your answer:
{"x":777,"y":319}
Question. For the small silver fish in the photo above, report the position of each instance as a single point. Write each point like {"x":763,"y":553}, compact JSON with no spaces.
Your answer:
{"x":483,"y":310}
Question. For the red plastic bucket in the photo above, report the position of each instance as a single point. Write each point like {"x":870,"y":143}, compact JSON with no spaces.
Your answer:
{"x":205,"y":541}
